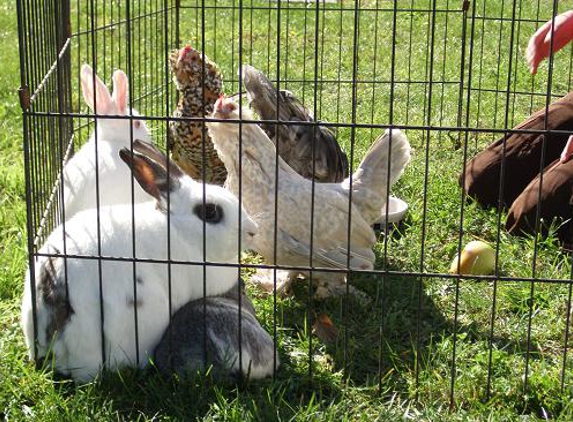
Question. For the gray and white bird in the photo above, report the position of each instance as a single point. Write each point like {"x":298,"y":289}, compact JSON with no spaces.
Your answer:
{"x":330,"y":245}
{"x":295,"y":141}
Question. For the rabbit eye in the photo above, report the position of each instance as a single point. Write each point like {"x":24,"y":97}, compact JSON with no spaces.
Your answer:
{"x":210,"y":213}
{"x":137,"y":124}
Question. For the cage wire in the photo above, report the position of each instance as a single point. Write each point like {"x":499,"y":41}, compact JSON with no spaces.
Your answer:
{"x":451,"y":73}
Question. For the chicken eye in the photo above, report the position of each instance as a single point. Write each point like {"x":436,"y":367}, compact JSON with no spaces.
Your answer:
{"x":210,"y":213}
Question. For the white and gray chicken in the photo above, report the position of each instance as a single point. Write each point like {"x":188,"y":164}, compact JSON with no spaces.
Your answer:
{"x":330,"y":245}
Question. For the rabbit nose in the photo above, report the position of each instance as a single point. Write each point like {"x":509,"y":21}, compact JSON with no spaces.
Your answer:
{"x":250,"y":227}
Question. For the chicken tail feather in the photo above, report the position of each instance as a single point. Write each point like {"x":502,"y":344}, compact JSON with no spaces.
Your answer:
{"x":370,"y":180}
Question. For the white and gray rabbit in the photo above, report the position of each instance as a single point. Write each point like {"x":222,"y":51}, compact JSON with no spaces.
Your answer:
{"x":68,"y":299}
{"x":110,"y":135}
{"x":183,"y":349}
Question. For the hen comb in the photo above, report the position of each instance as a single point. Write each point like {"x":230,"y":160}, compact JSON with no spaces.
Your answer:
{"x":184,"y":51}
{"x":219,"y":102}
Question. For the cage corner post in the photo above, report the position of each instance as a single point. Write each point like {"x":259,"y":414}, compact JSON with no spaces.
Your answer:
{"x":24,"y":96}
{"x":44,"y":34}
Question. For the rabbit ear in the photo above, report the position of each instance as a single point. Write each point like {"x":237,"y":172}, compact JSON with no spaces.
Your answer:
{"x":151,"y":175}
{"x":150,"y":150}
{"x":100,"y":94}
{"x":119,"y":96}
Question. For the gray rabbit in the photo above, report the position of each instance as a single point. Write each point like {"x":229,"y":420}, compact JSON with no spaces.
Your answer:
{"x":181,"y":350}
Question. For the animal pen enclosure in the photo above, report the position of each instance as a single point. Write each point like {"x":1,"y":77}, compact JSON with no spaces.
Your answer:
{"x":451,"y":74}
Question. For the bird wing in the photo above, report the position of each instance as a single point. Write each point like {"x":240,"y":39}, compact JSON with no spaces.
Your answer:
{"x":295,"y":141}
{"x":295,"y":206}
{"x":330,"y":229}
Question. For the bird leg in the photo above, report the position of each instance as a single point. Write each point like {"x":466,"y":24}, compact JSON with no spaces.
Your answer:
{"x":326,"y":284}
{"x":329,"y":285}
{"x":265,"y":278}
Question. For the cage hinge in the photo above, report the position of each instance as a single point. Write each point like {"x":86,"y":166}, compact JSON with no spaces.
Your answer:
{"x":24,"y":94}
{"x":465,"y":5}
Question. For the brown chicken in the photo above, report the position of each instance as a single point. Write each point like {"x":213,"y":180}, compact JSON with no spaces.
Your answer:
{"x":297,"y":143}
{"x":199,"y":83}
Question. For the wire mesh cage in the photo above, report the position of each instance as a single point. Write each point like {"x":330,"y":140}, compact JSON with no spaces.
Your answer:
{"x":450,"y":74}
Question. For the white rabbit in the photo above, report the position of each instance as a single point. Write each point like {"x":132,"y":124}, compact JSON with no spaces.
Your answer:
{"x":67,"y":290}
{"x":111,"y":135}
{"x":183,"y":349}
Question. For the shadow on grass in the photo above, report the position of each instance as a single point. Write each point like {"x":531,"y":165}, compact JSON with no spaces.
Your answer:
{"x":376,"y":342}
{"x":377,"y":350}
{"x":379,"y":341}
{"x":134,"y":394}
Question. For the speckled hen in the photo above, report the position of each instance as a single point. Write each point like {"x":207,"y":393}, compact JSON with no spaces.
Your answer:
{"x":331,"y":207}
{"x":199,"y":83}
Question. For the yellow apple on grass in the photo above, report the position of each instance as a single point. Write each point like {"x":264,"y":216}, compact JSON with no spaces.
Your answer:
{"x":477,"y":258}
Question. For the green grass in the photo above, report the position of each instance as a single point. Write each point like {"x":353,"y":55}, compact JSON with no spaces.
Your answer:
{"x":397,"y":360}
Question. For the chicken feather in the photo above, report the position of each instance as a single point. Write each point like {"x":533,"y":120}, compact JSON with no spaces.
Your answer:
{"x":199,"y":82}
{"x":295,"y":142}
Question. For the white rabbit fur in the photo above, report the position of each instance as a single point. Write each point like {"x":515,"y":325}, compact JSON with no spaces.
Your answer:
{"x":114,"y":177}
{"x":69,"y":323}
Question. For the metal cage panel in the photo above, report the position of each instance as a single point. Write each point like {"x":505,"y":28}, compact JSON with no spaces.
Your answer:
{"x":436,"y":69}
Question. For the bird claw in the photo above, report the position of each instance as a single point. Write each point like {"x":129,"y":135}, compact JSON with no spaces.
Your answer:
{"x":327,"y":290}
{"x":324,"y":288}
{"x":265,"y":279}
